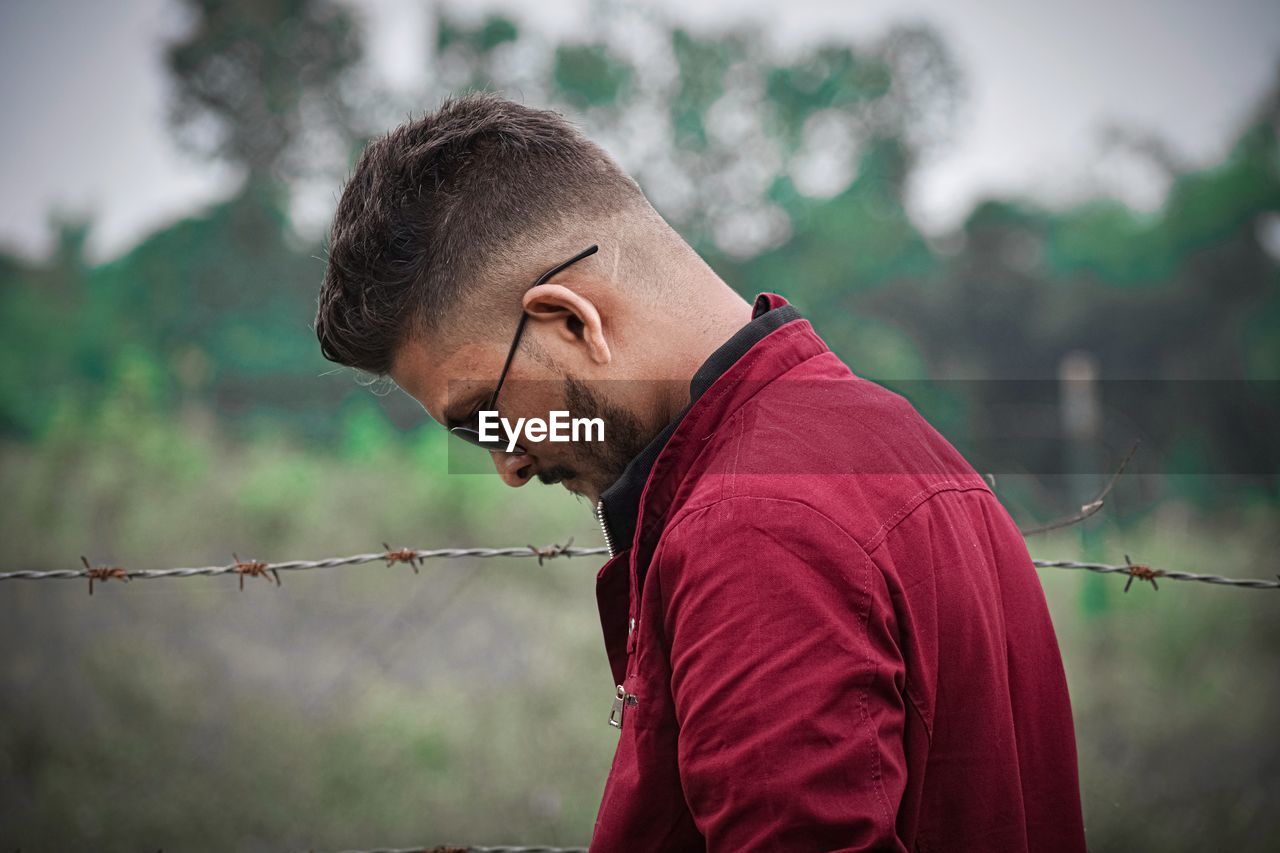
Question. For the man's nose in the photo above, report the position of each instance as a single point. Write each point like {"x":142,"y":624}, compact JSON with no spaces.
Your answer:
{"x":514,"y":470}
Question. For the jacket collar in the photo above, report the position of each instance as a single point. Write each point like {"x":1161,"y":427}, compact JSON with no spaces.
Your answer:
{"x":619,"y":507}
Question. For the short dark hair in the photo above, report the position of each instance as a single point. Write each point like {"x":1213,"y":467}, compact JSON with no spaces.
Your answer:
{"x":434,"y":204}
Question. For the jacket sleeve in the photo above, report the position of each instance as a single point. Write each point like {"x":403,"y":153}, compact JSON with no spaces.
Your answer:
{"x":787,"y":679}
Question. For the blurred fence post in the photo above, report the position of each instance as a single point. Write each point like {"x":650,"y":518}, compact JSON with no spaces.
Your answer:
{"x":1081,"y":413}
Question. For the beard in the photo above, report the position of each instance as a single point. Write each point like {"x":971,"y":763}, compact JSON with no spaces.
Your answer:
{"x":600,"y":463}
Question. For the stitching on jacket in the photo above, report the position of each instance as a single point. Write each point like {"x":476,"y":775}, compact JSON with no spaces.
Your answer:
{"x":737,"y":454}
{"x":908,"y":691}
{"x":870,"y":567}
{"x":903,"y":513}
{"x":864,"y":617}
{"x":909,"y":505}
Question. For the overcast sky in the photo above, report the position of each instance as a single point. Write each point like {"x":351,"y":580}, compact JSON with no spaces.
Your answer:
{"x":83,"y":94}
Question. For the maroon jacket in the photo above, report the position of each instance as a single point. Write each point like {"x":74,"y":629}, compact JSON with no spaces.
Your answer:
{"x":825,"y":630}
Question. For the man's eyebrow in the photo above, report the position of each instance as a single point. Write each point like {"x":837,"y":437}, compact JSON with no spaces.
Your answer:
{"x":457,"y":411}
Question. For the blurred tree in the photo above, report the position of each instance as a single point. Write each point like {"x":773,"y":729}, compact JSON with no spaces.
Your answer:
{"x":255,"y":78}
{"x":788,"y":169}
{"x":716,"y":127}
{"x":1164,"y":297}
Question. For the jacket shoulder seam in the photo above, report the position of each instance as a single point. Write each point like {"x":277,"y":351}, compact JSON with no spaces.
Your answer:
{"x":702,"y":508}
{"x":910,"y":504}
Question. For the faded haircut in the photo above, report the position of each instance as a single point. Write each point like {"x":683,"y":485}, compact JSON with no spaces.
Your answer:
{"x":434,"y":209}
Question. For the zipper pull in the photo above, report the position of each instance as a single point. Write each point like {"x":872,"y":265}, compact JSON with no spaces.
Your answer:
{"x":621,"y":703}
{"x":615,"y":713}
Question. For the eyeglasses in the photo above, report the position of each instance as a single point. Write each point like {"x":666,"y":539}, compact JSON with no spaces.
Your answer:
{"x":470,"y":434}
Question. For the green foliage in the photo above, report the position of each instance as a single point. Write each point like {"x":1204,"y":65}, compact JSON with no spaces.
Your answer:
{"x":248,"y":72}
{"x":831,"y":77}
{"x":1107,"y":239}
{"x":493,"y":31}
{"x":702,"y":68}
{"x":470,"y":49}
{"x":589,"y":76}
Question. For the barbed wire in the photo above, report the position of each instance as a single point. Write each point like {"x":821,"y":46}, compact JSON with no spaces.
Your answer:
{"x":415,"y":557}
{"x":1146,"y":573}
{"x":255,"y":568}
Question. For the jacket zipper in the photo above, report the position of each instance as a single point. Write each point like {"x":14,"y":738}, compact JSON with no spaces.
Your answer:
{"x":604,"y":528}
{"x":621,"y":702}
{"x":622,"y":699}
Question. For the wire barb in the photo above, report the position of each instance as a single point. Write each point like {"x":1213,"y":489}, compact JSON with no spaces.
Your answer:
{"x":551,"y":551}
{"x":102,"y":573}
{"x":404,"y":555}
{"x":1141,"y":572}
{"x":254,"y":569}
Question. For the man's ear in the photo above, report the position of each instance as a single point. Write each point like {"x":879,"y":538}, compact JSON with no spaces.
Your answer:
{"x":570,"y":316}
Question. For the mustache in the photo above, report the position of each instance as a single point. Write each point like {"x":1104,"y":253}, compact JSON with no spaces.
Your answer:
{"x":555,"y":474}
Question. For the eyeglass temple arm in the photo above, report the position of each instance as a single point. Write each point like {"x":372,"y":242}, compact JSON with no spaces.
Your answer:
{"x":524,"y":318}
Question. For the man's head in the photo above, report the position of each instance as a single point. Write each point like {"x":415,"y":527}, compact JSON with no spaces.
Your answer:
{"x":443,"y":227}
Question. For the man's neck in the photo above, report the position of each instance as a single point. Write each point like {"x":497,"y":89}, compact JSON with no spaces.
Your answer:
{"x":716,"y":320}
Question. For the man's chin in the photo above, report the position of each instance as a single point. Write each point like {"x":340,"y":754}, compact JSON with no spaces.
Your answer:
{"x":577,"y":487}
{"x":573,"y":481}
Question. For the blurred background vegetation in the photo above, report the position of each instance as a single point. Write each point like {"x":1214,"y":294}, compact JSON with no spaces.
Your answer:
{"x":169,"y":405}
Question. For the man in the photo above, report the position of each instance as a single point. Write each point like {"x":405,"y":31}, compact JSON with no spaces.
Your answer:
{"x":825,"y":631}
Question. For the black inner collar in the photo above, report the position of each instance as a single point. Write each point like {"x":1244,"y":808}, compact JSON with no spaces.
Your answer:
{"x":621,"y":501}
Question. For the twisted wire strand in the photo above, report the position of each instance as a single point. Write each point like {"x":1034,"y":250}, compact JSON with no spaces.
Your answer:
{"x":303,"y":565}
{"x":555,"y":551}
{"x":1103,"y":568}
